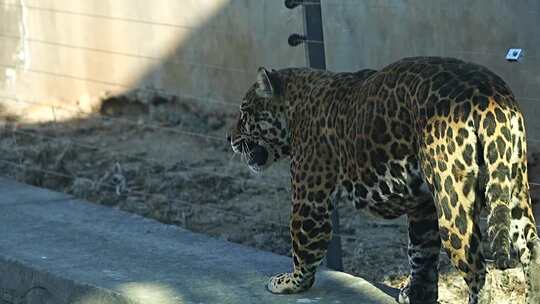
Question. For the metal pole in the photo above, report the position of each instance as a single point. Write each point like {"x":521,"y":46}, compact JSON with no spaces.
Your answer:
{"x":314,"y":45}
{"x":314,"y":35}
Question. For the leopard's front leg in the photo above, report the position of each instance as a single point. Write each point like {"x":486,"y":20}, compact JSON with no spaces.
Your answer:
{"x":311,"y":231}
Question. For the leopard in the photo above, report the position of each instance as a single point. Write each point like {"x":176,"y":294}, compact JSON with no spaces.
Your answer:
{"x":438,"y":140}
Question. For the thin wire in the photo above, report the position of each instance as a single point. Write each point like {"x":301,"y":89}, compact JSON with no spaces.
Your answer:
{"x":306,"y":3}
{"x":98,"y":16}
{"x":313,"y":41}
{"x":327,"y":2}
{"x":174,"y":60}
{"x":119,"y":85}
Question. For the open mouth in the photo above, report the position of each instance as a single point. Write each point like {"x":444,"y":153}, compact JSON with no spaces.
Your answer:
{"x":256,"y":155}
{"x":259,"y":156}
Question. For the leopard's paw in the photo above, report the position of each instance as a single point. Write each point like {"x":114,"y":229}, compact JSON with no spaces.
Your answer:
{"x":404,"y":289}
{"x":416,"y":291}
{"x":285,"y":283}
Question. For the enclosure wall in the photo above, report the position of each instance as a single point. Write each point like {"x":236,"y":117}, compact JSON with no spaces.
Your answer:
{"x":205,"y":49}
{"x":373,"y":33}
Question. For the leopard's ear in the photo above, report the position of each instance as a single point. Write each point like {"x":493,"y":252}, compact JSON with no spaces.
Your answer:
{"x":265,"y":87}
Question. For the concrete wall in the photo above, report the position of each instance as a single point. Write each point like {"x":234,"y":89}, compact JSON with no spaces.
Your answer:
{"x":374,"y":33}
{"x":206,"y":49}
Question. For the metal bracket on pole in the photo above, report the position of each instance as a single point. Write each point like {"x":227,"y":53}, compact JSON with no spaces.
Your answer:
{"x":290,"y":4}
{"x":314,"y":44}
{"x":296,"y":39}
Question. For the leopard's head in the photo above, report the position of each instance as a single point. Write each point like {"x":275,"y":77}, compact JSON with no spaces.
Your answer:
{"x":261,"y":135}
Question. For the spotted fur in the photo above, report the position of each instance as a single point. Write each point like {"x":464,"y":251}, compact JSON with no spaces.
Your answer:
{"x":436,"y":139}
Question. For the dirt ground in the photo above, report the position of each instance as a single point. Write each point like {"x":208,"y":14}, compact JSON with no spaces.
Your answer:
{"x":168,"y":160}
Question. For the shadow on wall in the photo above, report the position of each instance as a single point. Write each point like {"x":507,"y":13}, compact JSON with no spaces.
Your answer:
{"x":217,"y":62}
{"x":207,"y":51}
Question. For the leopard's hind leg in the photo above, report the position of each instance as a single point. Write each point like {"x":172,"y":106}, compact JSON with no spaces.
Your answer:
{"x":523,"y":232}
{"x":511,"y":225}
{"x":449,"y":164}
{"x":525,"y":241}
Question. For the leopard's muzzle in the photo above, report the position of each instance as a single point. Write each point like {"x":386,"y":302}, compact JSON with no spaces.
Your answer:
{"x":256,"y":155}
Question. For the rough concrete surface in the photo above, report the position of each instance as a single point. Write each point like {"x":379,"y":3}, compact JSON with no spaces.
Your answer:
{"x":56,"y":249}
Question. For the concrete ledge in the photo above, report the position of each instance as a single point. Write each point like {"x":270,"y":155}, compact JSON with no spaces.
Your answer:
{"x":56,"y":249}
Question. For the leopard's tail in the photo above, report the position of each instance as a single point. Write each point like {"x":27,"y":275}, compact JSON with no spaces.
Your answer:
{"x":511,"y":226}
